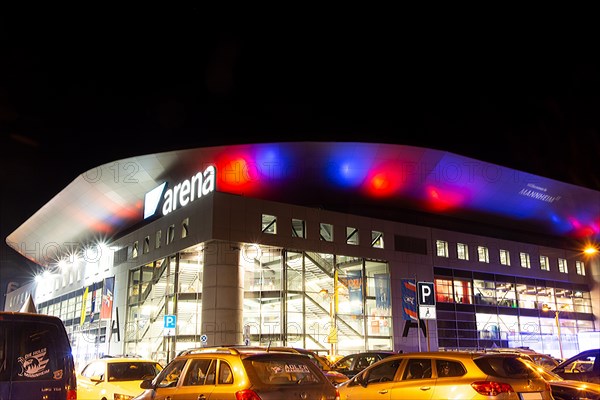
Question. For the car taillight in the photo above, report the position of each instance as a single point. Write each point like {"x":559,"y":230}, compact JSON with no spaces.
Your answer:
{"x":247,"y":395}
{"x":489,"y":388}
{"x":337,"y":394}
{"x":71,"y":394}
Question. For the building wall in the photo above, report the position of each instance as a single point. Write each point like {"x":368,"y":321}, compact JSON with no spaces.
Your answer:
{"x":237,"y":219}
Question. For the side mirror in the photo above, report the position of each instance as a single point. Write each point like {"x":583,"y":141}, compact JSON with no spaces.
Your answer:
{"x":96,"y":378}
{"x":360,"y":380}
{"x":146,"y":384}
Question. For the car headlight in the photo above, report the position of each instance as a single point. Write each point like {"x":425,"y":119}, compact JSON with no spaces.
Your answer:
{"x":119,"y":396}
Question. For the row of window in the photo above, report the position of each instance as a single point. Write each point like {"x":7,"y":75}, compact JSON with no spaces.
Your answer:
{"x":185,"y":229}
{"x":462,"y":251}
{"x":504,"y":292}
{"x":269,"y":225}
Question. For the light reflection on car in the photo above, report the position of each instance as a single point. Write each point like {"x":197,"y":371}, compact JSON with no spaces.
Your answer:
{"x":448,"y":375}
{"x":567,"y":389}
{"x":115,"y":378}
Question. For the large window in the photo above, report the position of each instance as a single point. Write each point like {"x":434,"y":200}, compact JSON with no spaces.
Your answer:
{"x":525,"y":261}
{"x":485,"y":292}
{"x":298,"y":228}
{"x":462,"y":251}
{"x":504,"y":257}
{"x":562,"y":266}
{"x":483,"y":254}
{"x":579,"y":267}
{"x":269,"y":224}
{"x":544,"y":263}
{"x":441,"y":248}
{"x":497,"y":324}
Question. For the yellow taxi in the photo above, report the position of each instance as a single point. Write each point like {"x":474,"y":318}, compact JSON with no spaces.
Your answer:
{"x":448,"y":375}
{"x":115,"y":378}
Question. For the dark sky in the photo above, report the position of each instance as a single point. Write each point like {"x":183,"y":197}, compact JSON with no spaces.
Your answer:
{"x":78,"y":92}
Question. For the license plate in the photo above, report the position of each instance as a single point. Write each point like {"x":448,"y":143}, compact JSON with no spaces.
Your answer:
{"x":531,"y":396}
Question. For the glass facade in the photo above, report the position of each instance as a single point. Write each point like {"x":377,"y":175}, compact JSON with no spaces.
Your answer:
{"x":509,"y":311}
{"x":304,"y":299}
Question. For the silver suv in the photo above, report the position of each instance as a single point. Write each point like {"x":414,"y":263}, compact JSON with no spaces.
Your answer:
{"x":241,"y":374}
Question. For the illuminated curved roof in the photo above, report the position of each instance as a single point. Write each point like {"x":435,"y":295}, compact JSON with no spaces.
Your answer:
{"x":377,"y":180}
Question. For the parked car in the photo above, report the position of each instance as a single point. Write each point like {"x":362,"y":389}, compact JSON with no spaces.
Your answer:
{"x":334,"y":377}
{"x":352,"y":364}
{"x":566,"y":389}
{"x":115,"y":378}
{"x":239,"y":373}
{"x":584,"y":366}
{"x":36,"y":361}
{"x":448,"y":375}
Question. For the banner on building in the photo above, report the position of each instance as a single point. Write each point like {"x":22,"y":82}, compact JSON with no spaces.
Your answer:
{"x":83,"y":305}
{"x":107,"y":298}
{"x":93,"y":309}
{"x":382,"y":291}
{"x":409,"y":300}
{"x":354,"y":282}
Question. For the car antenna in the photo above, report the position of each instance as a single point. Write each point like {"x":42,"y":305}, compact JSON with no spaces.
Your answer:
{"x":269,"y":346}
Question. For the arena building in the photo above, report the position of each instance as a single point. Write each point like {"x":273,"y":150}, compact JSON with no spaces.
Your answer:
{"x":332,"y":246}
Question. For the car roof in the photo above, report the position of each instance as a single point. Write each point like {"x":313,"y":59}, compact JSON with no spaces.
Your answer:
{"x":239,"y":350}
{"x":123,"y":359}
{"x":581,"y":354}
{"x":461,"y":354}
{"x":372,"y":352}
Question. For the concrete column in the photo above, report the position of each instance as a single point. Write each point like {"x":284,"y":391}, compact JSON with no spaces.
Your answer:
{"x":222,"y":294}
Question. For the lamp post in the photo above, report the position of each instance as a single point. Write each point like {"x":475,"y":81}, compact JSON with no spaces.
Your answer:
{"x":332,"y":337}
{"x":546,"y":307}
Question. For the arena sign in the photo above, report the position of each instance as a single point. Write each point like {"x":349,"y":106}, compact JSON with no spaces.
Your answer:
{"x":181,"y":194}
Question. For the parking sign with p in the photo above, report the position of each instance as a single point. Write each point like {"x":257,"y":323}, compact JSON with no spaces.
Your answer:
{"x":425,"y":294}
{"x":426,"y":300}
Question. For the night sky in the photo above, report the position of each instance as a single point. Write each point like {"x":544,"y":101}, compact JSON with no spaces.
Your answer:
{"x":79,"y":92}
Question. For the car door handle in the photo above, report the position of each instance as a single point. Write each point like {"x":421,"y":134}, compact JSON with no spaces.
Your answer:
{"x":383,"y":391}
{"x":425,"y":388}
{"x":201,"y":397}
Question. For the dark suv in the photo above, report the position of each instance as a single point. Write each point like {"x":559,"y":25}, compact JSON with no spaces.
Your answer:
{"x":584,"y":366}
{"x":242,"y":373}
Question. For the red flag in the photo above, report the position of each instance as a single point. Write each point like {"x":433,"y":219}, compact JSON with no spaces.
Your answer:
{"x":107,"y":298}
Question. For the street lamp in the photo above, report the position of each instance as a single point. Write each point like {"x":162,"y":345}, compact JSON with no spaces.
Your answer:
{"x":590,"y":250}
{"x":546,"y":307}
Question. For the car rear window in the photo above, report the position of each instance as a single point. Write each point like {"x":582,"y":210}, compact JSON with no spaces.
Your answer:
{"x":39,"y":351}
{"x":284,"y":371}
{"x":132,"y":371}
{"x":506,"y":367}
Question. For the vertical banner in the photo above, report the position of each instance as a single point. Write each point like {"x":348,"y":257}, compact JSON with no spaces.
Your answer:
{"x":355,"y":292}
{"x":107,"y":298}
{"x":93,"y":310}
{"x":409,"y":300}
{"x":382,"y":291}
{"x":83,"y":304}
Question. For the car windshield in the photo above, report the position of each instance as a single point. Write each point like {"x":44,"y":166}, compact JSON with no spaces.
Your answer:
{"x":131,"y":371}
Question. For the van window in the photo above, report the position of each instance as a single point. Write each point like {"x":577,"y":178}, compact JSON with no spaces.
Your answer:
{"x":36,"y":352}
